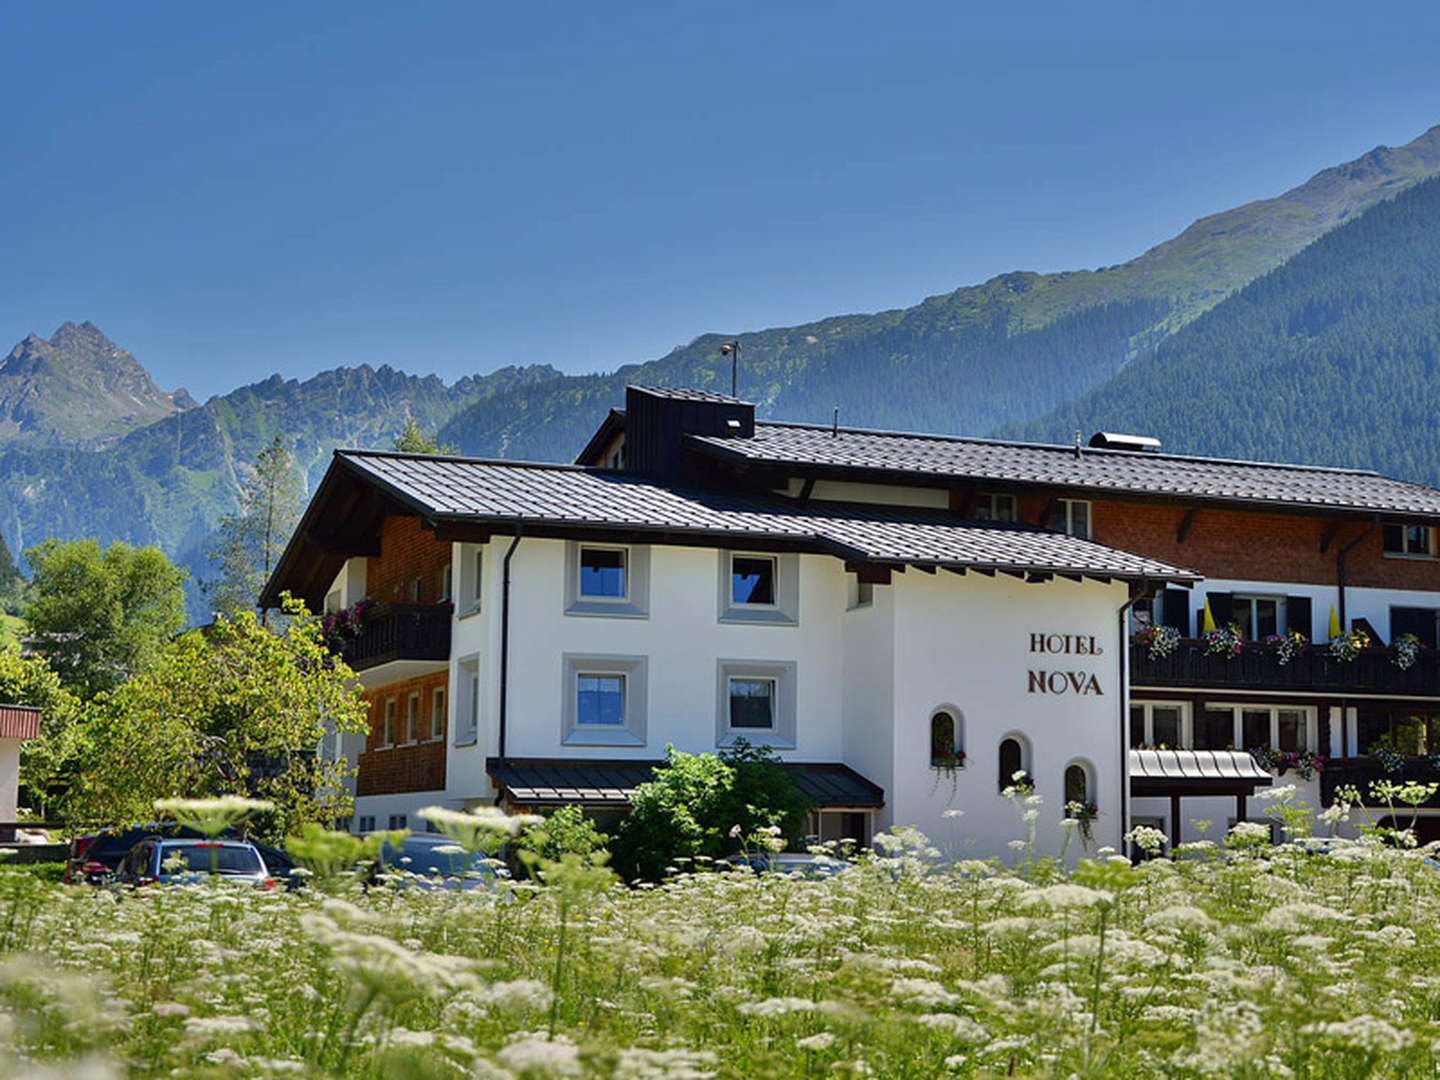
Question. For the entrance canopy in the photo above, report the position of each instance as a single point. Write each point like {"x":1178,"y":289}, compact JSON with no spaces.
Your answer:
{"x":547,"y":782}
{"x":1175,"y":773}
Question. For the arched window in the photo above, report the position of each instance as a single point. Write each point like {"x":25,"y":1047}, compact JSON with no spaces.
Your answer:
{"x":947,"y":742}
{"x":1012,"y":761}
{"x":1077,"y":784}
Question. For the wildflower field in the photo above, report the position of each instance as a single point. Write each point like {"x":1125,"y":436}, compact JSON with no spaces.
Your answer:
{"x":1257,"y":961}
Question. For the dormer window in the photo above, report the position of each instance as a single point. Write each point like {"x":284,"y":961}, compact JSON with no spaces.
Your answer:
{"x":994,"y":506}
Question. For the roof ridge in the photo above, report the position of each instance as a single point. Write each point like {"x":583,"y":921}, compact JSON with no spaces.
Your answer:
{"x":407,"y":455}
{"x":1146,"y":455}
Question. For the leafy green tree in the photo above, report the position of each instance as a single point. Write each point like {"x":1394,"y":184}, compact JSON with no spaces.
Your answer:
{"x":232,"y":708}
{"x":46,"y":763}
{"x":413,"y":440}
{"x":99,"y":617}
{"x":705,"y":804}
{"x":567,"y":831}
{"x":252,"y":539}
{"x":12,"y":582}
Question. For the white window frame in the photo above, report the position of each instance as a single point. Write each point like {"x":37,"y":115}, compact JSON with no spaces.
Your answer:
{"x":782,"y":673}
{"x":1281,"y":616}
{"x":635,"y":604}
{"x":623,"y":552}
{"x":1238,"y":710}
{"x":1067,"y":510}
{"x":412,"y":718}
{"x":447,"y":583}
{"x":633,"y":669}
{"x":1186,"y":731}
{"x":399,"y":821}
{"x":774,"y":685}
{"x":468,"y":700}
{"x":785,"y":611}
{"x":988,"y":503}
{"x":1431,"y":549}
{"x":470,"y":588}
{"x":439,"y":700}
{"x":390,"y":713}
{"x":366,"y":823}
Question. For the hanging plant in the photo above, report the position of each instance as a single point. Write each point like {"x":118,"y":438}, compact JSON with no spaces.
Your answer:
{"x":1405,"y":651}
{"x":339,"y":628}
{"x":1287,"y":646}
{"x":1158,"y":640}
{"x":1224,"y":641}
{"x":1347,"y":647}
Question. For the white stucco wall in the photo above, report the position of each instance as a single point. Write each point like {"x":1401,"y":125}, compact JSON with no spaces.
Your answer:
{"x":1360,"y":603}
{"x":9,"y":778}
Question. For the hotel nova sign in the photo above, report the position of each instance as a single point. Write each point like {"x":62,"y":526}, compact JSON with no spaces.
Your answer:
{"x":1066,"y":676}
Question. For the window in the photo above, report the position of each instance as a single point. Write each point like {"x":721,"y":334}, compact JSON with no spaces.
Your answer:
{"x":1013,"y":758}
{"x":752,"y":580}
{"x":416,"y":588}
{"x":470,"y":564}
{"x":1414,"y":540}
{"x":946,"y":745}
{"x":601,"y":700}
{"x":1075,"y":517}
{"x":605,"y":700}
{"x":603,"y":573}
{"x":412,"y":718}
{"x":759,"y":588}
{"x":1077,"y":784}
{"x":387,"y":732}
{"x":755,"y":701}
{"x":752,"y":704}
{"x":446,"y":581}
{"x":606,"y":579}
{"x":990,"y":506}
{"x":399,"y":821}
{"x":1247,"y":727}
{"x":467,"y":690}
{"x":1157,"y":724}
{"x":1259,"y":616}
{"x":367,"y":823}
{"x":1424,"y":623}
{"x":437,"y":714}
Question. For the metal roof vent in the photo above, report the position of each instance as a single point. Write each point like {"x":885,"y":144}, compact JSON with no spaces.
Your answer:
{"x":1115,"y":440}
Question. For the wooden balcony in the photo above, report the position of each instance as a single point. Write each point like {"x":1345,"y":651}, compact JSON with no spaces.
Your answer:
{"x":1312,"y":669}
{"x":1361,"y":772}
{"x":401,"y":632}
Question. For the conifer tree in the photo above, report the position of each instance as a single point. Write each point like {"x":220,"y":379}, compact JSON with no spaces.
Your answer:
{"x":252,"y":539}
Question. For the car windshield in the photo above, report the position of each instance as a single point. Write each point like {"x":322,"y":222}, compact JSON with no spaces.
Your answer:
{"x":431,"y":858}
{"x":227,"y":858}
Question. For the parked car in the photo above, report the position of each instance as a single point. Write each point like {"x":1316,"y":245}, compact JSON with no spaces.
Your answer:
{"x":94,"y":857}
{"x":153,"y":861}
{"x":438,"y":861}
{"x":788,"y":862}
{"x":278,"y":864}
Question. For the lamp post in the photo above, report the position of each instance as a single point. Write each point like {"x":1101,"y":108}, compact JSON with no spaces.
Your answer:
{"x":732,"y":350}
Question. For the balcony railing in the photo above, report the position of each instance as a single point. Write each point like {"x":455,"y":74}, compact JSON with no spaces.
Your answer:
{"x":401,"y":632}
{"x":1361,"y":772}
{"x":1313,"y":668}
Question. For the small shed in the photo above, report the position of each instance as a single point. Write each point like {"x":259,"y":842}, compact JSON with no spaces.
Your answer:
{"x":17,"y":723}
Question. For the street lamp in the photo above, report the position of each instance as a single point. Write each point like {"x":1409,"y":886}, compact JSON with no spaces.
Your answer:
{"x":732,"y":350}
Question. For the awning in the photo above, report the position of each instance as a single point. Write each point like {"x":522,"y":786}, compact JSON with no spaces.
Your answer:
{"x":19,"y":722}
{"x":1195,"y":772}
{"x":543,"y":782}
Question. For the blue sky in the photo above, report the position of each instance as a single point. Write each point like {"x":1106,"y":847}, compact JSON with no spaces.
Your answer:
{"x":234,"y":190}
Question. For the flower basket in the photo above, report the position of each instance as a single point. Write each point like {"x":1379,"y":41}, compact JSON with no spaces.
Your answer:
{"x":339,"y":628}
{"x":1224,"y":641}
{"x":1287,"y":646}
{"x":1158,"y":640}
{"x":1405,"y":651}
{"x":947,"y":760}
{"x":1347,"y":647}
{"x":1085,"y":813}
{"x":1304,"y":763}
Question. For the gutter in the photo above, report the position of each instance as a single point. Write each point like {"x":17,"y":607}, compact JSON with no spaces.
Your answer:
{"x":505,"y":640}
{"x":1123,"y":664}
{"x":1340,"y":565}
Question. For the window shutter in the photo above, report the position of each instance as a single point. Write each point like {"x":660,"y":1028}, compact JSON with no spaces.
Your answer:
{"x":1410,"y":620}
{"x":1222,"y":608}
{"x":1297,"y":614}
{"x":1175,"y":610}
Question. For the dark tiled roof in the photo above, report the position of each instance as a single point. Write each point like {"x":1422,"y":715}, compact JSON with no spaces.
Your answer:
{"x":507,"y":493}
{"x":679,"y":393}
{"x":1094,"y":470}
{"x":598,"y":784}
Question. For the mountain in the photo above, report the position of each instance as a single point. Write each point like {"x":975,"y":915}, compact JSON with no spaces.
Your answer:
{"x":1010,"y":350}
{"x":78,"y":389}
{"x":1333,"y":358}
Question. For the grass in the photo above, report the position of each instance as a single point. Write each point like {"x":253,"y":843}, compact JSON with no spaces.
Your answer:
{"x":1251,"y":962}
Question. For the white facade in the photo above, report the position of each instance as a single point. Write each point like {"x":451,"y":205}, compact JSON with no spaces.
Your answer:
{"x":861,"y":679}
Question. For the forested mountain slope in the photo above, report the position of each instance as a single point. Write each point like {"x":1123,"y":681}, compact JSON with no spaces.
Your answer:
{"x":1007,"y":351}
{"x":1334,"y":358}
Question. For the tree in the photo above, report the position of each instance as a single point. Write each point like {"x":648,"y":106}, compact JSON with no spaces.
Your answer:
{"x":253,"y":538}
{"x":46,"y":762}
{"x":706,"y":804}
{"x":413,"y":440}
{"x":12,"y":583}
{"x":231,"y":708}
{"x":99,"y":617}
